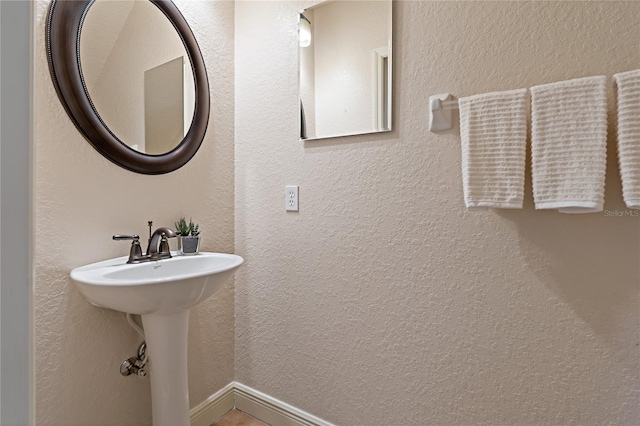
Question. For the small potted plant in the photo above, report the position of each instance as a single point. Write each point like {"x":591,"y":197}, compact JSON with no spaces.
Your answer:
{"x":189,"y":236}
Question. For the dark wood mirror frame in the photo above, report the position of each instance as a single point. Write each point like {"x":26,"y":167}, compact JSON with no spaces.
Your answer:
{"x":64,"y":24}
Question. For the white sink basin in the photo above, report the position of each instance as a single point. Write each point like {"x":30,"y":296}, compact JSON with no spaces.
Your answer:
{"x":162,"y":292}
{"x":160,"y":287}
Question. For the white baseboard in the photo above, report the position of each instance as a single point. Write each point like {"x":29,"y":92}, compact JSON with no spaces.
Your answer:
{"x":213,"y":408}
{"x":253,"y":402}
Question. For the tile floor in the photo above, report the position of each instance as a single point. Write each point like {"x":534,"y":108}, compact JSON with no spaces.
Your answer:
{"x":238,"y":418}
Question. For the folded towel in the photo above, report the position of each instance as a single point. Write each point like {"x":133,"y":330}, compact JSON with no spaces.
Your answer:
{"x":629,"y":135}
{"x":569,"y":144}
{"x":493,"y":129}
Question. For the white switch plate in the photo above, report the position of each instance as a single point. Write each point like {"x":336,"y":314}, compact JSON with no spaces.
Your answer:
{"x":291,"y":198}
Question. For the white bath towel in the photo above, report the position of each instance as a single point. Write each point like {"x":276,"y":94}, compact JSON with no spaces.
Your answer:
{"x":493,"y":129}
{"x":569,"y":144}
{"x":629,"y":135}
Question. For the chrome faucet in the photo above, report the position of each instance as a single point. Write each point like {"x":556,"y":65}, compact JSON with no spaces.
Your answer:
{"x":157,"y":249}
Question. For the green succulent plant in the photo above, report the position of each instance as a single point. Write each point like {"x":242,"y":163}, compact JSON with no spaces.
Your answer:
{"x":195,"y":228}
{"x":190,"y":229}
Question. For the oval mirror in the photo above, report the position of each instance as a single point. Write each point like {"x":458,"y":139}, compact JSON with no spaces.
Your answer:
{"x":131,"y":78}
{"x":137,"y":74}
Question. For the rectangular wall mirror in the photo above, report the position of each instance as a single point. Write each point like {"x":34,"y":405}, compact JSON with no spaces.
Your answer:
{"x":345,"y":75}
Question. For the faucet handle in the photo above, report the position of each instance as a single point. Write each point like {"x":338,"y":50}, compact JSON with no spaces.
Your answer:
{"x":119,"y":237}
{"x":135,"y":254}
{"x":164,"y":245}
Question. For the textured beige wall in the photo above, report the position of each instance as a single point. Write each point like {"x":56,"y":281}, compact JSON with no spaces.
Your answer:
{"x":81,"y":199}
{"x":384,"y":301}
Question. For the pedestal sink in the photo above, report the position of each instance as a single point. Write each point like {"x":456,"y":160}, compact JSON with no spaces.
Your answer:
{"x":162,"y":292}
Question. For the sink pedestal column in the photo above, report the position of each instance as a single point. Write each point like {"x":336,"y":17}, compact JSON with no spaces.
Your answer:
{"x":166,"y":337}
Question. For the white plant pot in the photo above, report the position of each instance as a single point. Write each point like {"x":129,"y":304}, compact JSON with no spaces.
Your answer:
{"x":189,"y":245}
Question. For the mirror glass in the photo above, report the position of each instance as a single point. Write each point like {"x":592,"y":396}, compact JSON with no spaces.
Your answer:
{"x":345,"y":68}
{"x":137,"y":74}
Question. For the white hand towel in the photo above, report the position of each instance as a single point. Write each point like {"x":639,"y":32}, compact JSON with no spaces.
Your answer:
{"x":493,"y":129}
{"x":569,"y":144}
{"x":629,"y":135}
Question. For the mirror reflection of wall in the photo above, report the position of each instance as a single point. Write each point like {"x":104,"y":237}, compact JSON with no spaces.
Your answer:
{"x":163,"y":107}
{"x":121,"y":42}
{"x":345,"y":71}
